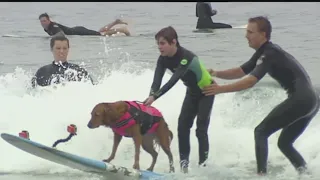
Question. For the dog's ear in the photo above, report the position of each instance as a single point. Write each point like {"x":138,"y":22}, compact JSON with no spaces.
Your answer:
{"x":105,"y":108}
{"x":121,"y":107}
{"x":110,"y":112}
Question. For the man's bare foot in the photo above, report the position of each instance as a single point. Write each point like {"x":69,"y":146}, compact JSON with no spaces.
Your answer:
{"x":119,"y":21}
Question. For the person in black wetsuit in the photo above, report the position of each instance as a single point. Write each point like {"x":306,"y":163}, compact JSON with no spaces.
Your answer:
{"x":294,"y":114}
{"x":53,"y":28}
{"x":204,"y":12}
{"x":59,"y":70}
{"x":186,"y":66}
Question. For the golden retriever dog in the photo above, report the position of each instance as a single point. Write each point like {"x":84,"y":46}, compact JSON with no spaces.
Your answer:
{"x":144,"y":124}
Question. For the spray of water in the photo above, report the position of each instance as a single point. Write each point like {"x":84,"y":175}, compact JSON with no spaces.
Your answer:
{"x":46,"y":112}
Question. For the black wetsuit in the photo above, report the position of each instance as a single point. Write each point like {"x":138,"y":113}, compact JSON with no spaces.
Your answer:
{"x":59,"y":72}
{"x":55,"y":28}
{"x":294,"y":114}
{"x":186,"y":66}
{"x":204,"y":12}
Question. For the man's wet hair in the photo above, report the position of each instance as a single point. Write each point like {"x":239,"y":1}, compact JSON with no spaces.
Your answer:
{"x":58,"y":38}
{"x":263,"y":23}
{"x":169,"y":34}
{"x":44,"y":15}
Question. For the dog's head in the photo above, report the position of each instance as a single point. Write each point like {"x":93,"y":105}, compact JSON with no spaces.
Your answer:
{"x":104,"y":114}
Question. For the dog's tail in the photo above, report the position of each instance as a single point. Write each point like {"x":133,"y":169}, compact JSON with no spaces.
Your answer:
{"x":156,"y":141}
{"x":170,"y":136}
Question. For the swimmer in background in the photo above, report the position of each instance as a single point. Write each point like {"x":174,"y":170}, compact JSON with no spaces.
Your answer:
{"x":53,"y":28}
{"x":204,"y":12}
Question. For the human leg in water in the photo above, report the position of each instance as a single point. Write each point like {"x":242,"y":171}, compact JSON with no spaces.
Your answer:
{"x":108,"y":30}
{"x":293,"y":117}
{"x":200,"y":106}
{"x":187,"y":115}
{"x":203,"y":121}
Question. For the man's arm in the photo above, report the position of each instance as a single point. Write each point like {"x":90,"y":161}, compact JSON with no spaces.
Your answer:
{"x":34,"y":82}
{"x":83,"y":74}
{"x":55,"y":30}
{"x":88,"y":76}
{"x":256,"y":75}
{"x":180,"y":71}
{"x":239,"y":72}
{"x":157,"y":78}
{"x":36,"y":78}
{"x":234,"y":73}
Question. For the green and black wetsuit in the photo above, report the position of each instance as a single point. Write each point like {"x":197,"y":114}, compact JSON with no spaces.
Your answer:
{"x":186,"y":66}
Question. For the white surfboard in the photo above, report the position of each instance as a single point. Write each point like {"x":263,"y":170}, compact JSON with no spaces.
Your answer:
{"x":77,"y":162}
{"x":203,"y":30}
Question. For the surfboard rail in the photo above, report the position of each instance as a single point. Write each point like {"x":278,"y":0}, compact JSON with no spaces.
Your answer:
{"x":76,"y":161}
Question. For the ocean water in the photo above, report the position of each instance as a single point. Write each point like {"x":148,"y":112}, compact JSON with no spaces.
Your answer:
{"x":123,"y":66}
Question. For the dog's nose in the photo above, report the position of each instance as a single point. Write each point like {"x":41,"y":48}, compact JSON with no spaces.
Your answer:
{"x":89,"y":125}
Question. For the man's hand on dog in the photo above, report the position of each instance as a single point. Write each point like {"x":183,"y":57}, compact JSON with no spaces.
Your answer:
{"x":149,"y":101}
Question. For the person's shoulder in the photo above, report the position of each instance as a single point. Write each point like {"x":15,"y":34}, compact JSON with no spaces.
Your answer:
{"x":75,"y":66}
{"x":187,"y":53}
{"x":272,"y":49}
{"x":45,"y":67}
{"x":161,"y":59}
{"x":54,"y":25}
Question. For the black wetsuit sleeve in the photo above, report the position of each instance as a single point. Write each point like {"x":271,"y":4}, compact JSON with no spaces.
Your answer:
{"x":54,"y":29}
{"x":262,"y":67}
{"x":84,"y":74}
{"x":248,"y":66}
{"x":157,"y":78}
{"x":90,"y":77}
{"x":33,"y":82}
{"x":180,"y":71}
{"x":38,"y":78}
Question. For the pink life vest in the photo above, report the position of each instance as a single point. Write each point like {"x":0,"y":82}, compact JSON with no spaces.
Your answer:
{"x":147,"y":116}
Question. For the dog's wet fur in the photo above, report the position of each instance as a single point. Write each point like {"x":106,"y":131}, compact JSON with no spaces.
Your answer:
{"x":107,"y":114}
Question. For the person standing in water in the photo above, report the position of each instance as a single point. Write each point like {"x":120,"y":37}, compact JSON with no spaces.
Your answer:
{"x":184,"y":65}
{"x":294,"y":114}
{"x":60,"y":70}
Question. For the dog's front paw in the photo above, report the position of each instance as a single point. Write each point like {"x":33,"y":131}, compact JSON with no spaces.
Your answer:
{"x":136,"y":166}
{"x":108,"y":160}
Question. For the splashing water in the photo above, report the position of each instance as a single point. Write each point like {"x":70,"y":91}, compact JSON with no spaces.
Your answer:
{"x":45,"y":113}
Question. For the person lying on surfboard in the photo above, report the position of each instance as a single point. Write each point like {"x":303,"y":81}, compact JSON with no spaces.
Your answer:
{"x":53,"y":28}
